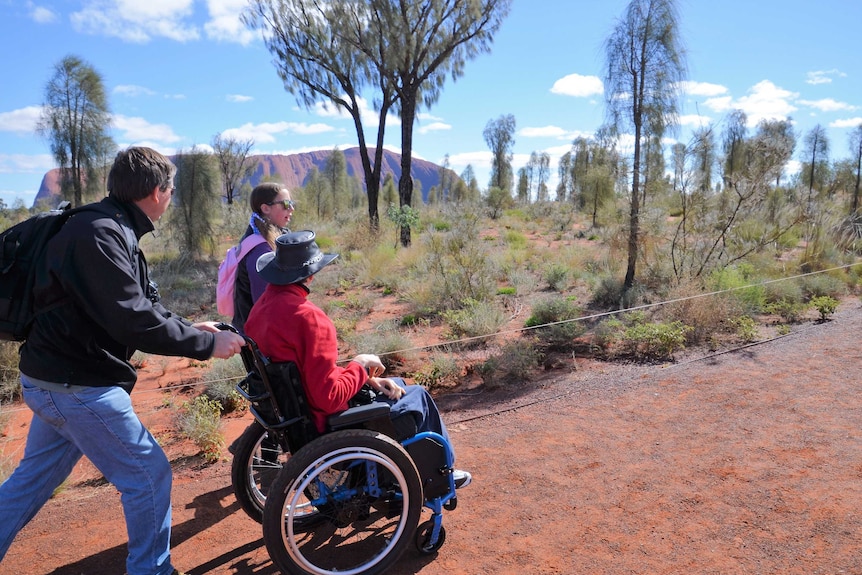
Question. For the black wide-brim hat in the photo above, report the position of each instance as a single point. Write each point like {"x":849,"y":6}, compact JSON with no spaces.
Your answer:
{"x":296,"y":257}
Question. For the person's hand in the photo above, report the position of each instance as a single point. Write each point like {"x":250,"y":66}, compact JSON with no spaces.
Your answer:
{"x":371,"y":363}
{"x":386,"y":386}
{"x":210,"y":326}
{"x":227,"y":344}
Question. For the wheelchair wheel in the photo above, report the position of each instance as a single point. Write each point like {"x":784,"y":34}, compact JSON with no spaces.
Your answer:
{"x":368,"y":498}
{"x":257,"y":459}
{"x":423,"y":538}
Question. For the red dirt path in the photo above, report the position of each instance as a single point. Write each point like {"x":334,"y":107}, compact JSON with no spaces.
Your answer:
{"x":746,"y":462}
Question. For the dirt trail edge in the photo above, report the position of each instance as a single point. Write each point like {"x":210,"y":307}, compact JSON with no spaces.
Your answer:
{"x":746,"y":462}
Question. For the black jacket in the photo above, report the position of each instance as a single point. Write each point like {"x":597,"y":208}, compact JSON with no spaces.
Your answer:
{"x":92,"y":290}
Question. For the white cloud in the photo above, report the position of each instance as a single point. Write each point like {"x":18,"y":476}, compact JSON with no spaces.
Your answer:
{"x":848,"y":123}
{"x":137,"y":129}
{"x":239,"y":98}
{"x":578,"y":86}
{"x":225,"y":25}
{"x":23,"y":163}
{"x":265,"y":133}
{"x":137,"y":21}
{"x":827,"y":105}
{"x":434,"y":127}
{"x":696,"y":120}
{"x":369,"y":117}
{"x":544,"y":132}
{"x":703,"y":89}
{"x":475,"y":159}
{"x":426,"y":117}
{"x":132,"y":91}
{"x":765,"y":101}
{"x":823,"y":76}
{"x":42,"y":15}
{"x":22,"y":120}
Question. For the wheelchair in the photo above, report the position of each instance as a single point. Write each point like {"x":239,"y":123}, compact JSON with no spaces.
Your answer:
{"x":349,"y":500}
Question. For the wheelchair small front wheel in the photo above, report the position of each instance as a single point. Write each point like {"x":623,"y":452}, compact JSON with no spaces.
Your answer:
{"x":365,"y":493}
{"x":423,"y":538}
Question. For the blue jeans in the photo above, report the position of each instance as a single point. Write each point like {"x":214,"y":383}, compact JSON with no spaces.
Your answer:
{"x":98,"y":422}
{"x":420,"y":405}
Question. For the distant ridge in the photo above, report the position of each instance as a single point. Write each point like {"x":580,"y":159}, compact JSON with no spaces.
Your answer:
{"x":293,"y":170}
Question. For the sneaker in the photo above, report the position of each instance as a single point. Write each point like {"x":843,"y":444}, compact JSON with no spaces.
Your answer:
{"x":462,"y":478}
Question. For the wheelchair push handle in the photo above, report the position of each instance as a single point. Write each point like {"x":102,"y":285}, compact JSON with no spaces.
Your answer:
{"x":251,"y":356}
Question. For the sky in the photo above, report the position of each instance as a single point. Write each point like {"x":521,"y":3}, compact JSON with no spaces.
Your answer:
{"x":178,"y":72}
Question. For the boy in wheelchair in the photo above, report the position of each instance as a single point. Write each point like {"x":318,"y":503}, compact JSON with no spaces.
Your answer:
{"x":287,"y":327}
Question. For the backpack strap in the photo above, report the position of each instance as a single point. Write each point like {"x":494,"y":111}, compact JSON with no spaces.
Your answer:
{"x":248,"y":244}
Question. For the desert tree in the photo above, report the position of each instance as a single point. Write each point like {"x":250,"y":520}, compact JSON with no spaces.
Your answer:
{"x":390,"y":191}
{"x":234,"y":163}
{"x":315,"y":55}
{"x":704,"y":158}
{"x":316,"y":190}
{"x":856,"y":151}
{"x":782,"y":139}
{"x":468,"y":176}
{"x":815,"y":160}
{"x":716,"y":230}
{"x":196,"y":197}
{"x":497,"y":200}
{"x":523,"y":188}
{"x":579,"y":166}
{"x":447,"y":181}
{"x":539,"y":171}
{"x":416,"y":45}
{"x":645,"y":63}
{"x":732,"y":145}
{"x":564,"y":177}
{"x":499,"y":135}
{"x":335,"y":173}
{"x":75,"y":119}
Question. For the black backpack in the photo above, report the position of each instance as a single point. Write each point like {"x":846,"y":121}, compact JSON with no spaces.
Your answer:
{"x":21,"y":247}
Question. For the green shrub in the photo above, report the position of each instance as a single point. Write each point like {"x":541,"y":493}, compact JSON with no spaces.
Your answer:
{"x":440,"y":371}
{"x":385,"y":340}
{"x":559,"y":317}
{"x":789,"y":311}
{"x":706,"y":315}
{"x":823,"y":285}
{"x":746,"y":328}
{"x":609,"y":293}
{"x":10,"y":387}
{"x":740,"y":283}
{"x":222,"y":377}
{"x":455,"y":268}
{"x":515,"y":240}
{"x":784,"y":290}
{"x":654,"y":341}
{"x":507,"y":290}
{"x":515,"y":363}
{"x":200,"y":421}
{"x":474,"y":319}
{"x":556,"y":276}
{"x":825,"y":305}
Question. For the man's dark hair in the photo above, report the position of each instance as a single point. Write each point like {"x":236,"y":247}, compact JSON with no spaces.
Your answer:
{"x":136,"y":171}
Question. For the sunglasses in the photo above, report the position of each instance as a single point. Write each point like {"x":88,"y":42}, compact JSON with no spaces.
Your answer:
{"x":287,"y":204}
